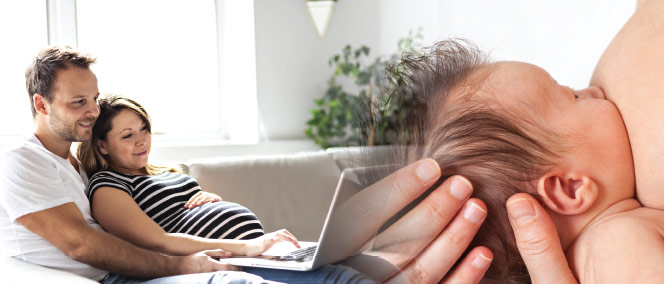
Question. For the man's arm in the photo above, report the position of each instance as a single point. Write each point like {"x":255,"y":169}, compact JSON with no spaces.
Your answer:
{"x":631,"y":72}
{"x":65,"y":227}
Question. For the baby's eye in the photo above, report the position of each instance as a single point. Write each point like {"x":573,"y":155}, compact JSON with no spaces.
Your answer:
{"x":576,"y":96}
{"x":126,"y":136}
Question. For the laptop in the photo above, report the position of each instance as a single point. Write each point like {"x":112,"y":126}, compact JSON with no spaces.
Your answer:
{"x":342,"y":236}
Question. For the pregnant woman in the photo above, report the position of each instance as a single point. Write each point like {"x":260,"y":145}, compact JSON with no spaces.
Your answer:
{"x":159,"y":208}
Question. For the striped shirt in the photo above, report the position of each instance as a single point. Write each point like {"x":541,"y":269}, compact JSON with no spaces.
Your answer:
{"x":163,"y":196}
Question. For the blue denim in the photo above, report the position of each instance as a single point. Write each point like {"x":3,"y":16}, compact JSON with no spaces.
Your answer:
{"x":250,"y":275}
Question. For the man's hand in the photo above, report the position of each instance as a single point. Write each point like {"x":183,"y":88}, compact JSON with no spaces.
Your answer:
{"x":204,"y":261}
{"x":537,"y":240}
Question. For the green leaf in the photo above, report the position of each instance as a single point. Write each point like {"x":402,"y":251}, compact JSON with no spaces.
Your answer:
{"x":333,"y":104}
{"x":365,"y":50}
{"x":346,"y":51}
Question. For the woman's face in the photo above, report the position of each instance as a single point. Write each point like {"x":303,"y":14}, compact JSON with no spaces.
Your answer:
{"x":127,"y":144}
{"x":591,"y":125}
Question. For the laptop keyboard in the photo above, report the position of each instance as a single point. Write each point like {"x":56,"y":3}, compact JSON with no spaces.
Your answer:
{"x":303,"y":254}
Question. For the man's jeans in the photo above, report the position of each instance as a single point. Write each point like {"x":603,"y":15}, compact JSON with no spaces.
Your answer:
{"x":325,"y":274}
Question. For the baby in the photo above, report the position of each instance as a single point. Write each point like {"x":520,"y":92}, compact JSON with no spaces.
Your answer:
{"x":509,"y":127}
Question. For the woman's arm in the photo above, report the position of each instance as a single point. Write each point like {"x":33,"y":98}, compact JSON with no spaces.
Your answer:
{"x":631,"y":73}
{"x":119,"y":214}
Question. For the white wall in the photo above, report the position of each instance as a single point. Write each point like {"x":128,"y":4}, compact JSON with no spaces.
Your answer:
{"x":292,"y":68}
{"x":565,"y":37}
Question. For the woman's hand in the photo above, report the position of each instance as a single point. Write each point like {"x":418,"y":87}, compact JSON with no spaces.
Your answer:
{"x":201,"y":198}
{"x":261,"y":244}
{"x":424,"y":244}
{"x":537,"y":240}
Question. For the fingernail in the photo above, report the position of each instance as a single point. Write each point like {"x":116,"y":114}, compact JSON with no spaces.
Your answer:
{"x":427,"y":170}
{"x":481,"y":261}
{"x":473,"y":213}
{"x":460,"y":188}
{"x":521,"y":210}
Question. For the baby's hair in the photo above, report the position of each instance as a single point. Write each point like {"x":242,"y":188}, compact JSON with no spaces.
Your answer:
{"x":446,"y":115}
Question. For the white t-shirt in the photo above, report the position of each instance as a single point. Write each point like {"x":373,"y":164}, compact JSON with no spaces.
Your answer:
{"x":33,"y":179}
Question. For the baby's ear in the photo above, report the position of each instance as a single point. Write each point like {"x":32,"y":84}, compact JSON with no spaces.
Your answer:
{"x":567,"y":194}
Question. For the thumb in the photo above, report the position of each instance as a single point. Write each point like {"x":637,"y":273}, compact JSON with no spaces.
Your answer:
{"x":537,"y":240}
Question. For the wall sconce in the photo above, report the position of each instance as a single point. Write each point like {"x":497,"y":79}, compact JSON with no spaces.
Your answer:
{"x":320,"y":12}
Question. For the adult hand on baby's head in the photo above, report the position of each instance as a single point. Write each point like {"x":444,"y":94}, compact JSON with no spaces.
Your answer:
{"x":423,"y":245}
{"x":537,"y":240}
{"x":201,"y":198}
{"x":261,"y":244}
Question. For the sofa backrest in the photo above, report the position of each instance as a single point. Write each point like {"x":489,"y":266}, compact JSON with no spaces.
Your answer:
{"x":291,"y":191}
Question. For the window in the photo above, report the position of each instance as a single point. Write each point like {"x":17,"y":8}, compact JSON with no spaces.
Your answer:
{"x":23,"y":31}
{"x":190,"y":63}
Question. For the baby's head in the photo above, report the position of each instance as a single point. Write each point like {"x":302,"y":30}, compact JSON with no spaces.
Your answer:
{"x":509,"y":127}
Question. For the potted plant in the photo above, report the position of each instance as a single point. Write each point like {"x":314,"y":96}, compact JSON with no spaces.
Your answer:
{"x":342,"y":118}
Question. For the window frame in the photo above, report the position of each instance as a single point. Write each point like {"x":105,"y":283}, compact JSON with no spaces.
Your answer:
{"x":62,"y":30}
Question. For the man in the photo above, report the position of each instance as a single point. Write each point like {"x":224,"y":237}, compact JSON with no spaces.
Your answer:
{"x":45,"y":216}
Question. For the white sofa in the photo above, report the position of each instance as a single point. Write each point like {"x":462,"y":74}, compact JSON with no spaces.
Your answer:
{"x":291,"y":191}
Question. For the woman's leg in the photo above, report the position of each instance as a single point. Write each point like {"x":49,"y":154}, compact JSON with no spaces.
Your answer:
{"x":326,"y":274}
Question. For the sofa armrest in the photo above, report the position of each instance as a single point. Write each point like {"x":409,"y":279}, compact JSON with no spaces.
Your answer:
{"x":291,"y":191}
{"x":18,"y":271}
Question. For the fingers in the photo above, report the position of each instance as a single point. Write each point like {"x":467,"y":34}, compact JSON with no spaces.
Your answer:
{"x":382,"y":200}
{"x":429,"y":219}
{"x":193,"y":200}
{"x":430,"y":265}
{"x":472,"y":268}
{"x":283,"y":235}
{"x":217,"y":253}
{"x":537,"y":240}
{"x":201,"y":198}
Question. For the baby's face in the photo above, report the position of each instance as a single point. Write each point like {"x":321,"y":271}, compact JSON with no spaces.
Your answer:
{"x":591,"y":124}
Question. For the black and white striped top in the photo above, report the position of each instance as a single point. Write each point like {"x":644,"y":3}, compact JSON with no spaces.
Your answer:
{"x":163,"y":196}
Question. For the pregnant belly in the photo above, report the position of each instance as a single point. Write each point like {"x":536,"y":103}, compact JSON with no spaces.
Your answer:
{"x":217,"y":220}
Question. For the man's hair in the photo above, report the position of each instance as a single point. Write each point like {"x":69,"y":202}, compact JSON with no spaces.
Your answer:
{"x":443,"y":117}
{"x":41,"y":74}
{"x":110,"y":106}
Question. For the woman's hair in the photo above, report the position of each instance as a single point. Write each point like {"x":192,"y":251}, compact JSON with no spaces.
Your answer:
{"x":40,"y":74}
{"x":88,"y":152}
{"x":441,"y":116}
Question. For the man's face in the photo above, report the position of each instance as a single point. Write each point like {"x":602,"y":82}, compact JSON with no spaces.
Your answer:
{"x":74,"y":108}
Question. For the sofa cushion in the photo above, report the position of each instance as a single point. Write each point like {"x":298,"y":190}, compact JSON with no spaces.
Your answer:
{"x":290,"y":191}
